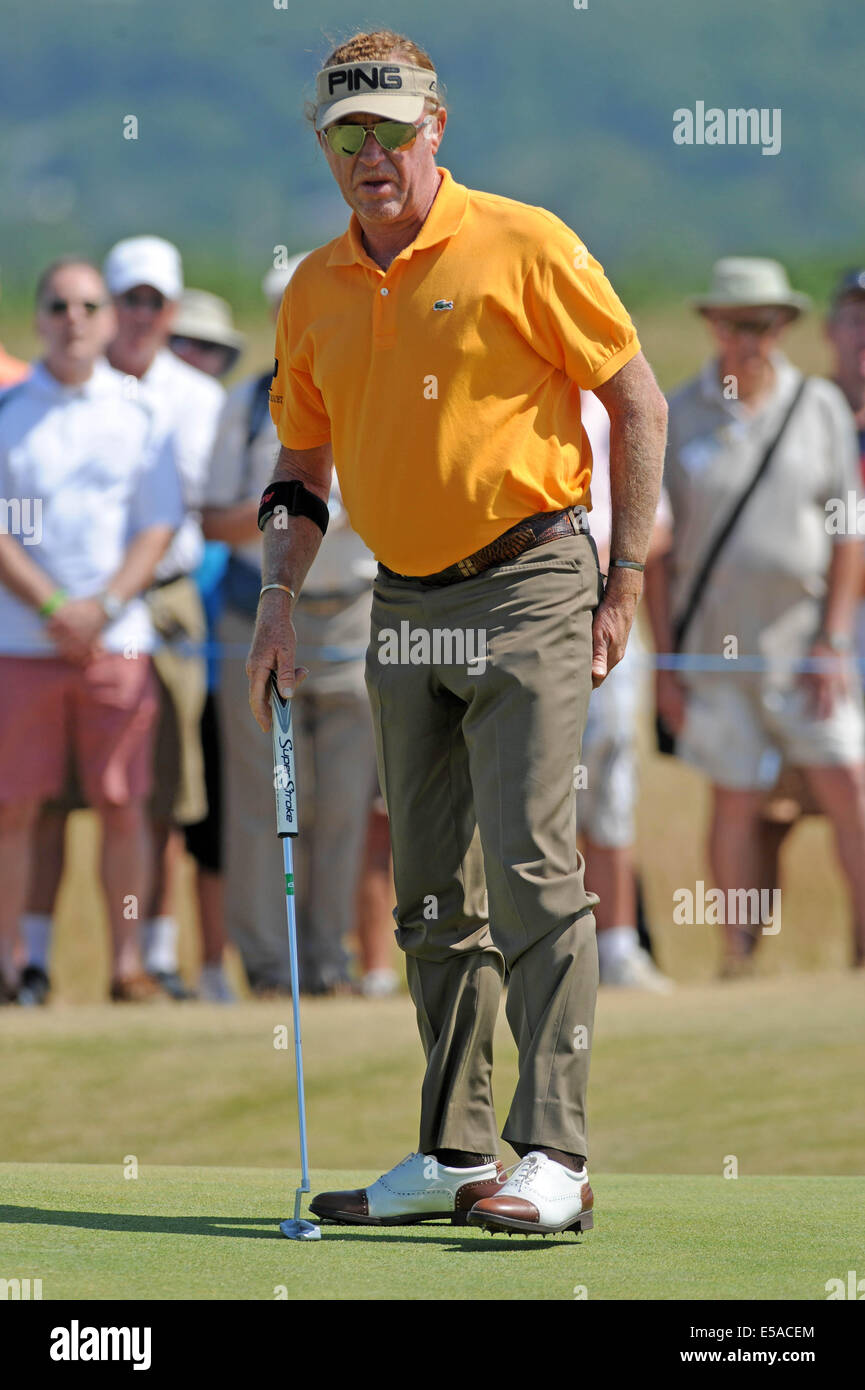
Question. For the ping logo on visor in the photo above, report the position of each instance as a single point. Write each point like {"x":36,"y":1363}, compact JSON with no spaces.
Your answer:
{"x":396,"y":91}
{"x":364,"y":76}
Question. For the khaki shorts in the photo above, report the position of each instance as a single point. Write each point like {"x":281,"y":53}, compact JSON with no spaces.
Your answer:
{"x":739,"y":733}
{"x":179,"y":793}
{"x":606,"y":801}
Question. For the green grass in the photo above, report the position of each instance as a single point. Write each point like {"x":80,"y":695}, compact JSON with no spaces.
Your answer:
{"x":766,"y":1070}
{"x":212,"y":1233}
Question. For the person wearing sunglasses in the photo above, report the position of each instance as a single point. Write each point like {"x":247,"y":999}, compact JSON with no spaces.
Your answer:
{"x":435,"y":353}
{"x":203,"y":334}
{"x":144,"y":279}
{"x":97,"y":500}
{"x":785,"y":726}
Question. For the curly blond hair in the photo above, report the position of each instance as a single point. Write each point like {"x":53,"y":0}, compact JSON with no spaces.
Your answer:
{"x":372,"y":46}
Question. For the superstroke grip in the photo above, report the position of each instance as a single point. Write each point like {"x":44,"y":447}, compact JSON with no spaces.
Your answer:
{"x":284,"y":782}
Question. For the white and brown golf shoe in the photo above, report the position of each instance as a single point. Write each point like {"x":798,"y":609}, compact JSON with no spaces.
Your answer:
{"x":541,"y":1197}
{"x":417,"y":1189}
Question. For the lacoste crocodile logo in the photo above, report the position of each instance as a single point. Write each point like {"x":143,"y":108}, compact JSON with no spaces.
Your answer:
{"x":443,"y":304}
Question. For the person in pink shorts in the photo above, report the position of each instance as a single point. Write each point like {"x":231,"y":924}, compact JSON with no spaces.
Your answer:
{"x":89,"y":500}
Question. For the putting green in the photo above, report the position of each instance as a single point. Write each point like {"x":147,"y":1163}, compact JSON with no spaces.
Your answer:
{"x":212,"y":1233}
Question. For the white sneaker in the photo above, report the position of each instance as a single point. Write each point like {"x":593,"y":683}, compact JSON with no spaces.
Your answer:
{"x":214,"y":987}
{"x":636,"y":970}
{"x":540,"y":1197}
{"x":418,"y":1189}
{"x":379,"y":984}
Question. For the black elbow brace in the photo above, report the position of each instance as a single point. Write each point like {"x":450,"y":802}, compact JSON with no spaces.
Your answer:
{"x":297,"y":501}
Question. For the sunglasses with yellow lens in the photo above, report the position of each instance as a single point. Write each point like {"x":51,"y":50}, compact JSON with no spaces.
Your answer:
{"x":391,"y":135}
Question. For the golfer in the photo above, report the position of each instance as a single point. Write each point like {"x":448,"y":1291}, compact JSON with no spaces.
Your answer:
{"x":436,"y":352}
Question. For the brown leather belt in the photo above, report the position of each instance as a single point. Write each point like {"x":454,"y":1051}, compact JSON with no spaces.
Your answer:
{"x":532,"y":531}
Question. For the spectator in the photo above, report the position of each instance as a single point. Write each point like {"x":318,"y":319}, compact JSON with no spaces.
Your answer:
{"x":845,"y":330}
{"x":783,"y":588}
{"x":12,"y":369}
{"x":335,"y":748}
{"x":607,"y":797}
{"x":75,"y":677}
{"x":144,"y":277}
{"x":376,"y":899}
{"x":205,"y":337}
{"x":144,"y":274}
{"x":204,"y":334}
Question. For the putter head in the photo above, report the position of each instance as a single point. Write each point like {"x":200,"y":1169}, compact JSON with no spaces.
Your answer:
{"x":294,"y":1229}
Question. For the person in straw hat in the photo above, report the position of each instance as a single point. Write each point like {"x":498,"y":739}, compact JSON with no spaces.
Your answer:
{"x":204,"y":335}
{"x":778,"y":603}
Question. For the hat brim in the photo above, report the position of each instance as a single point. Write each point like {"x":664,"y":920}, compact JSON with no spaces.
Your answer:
{"x":392,"y":106}
{"x":224,"y":338}
{"x":794,"y":303}
{"x":168,"y":289}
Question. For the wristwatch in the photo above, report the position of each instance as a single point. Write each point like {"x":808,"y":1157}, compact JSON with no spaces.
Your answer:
{"x":838,"y":641}
{"x":112,"y":606}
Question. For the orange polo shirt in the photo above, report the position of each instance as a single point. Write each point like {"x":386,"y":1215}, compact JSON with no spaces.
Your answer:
{"x":449,"y":384}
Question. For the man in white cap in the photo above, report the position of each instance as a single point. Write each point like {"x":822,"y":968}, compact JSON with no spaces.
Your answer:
{"x":144,"y":277}
{"x":782,"y":592}
{"x":336,"y":750}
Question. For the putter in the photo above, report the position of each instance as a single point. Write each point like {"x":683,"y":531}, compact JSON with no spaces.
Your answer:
{"x":286,"y":828}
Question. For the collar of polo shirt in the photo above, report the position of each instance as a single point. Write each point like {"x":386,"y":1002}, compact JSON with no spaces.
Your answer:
{"x":443,"y":220}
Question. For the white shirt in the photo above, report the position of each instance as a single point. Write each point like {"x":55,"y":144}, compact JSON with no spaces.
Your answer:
{"x":235,"y":474}
{"x":88,"y":465}
{"x":187,"y":404}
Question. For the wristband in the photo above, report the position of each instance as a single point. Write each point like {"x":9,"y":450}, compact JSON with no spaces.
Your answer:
{"x":628,"y":565}
{"x":52,"y":603}
{"x":297,"y":501}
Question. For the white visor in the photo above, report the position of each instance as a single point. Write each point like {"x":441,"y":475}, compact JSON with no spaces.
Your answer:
{"x":395,"y":91}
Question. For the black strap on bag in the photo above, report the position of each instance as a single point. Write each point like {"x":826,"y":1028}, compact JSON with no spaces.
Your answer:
{"x":259,"y":406}
{"x":666,"y":740}
{"x":259,"y":412}
{"x":242,"y":584}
